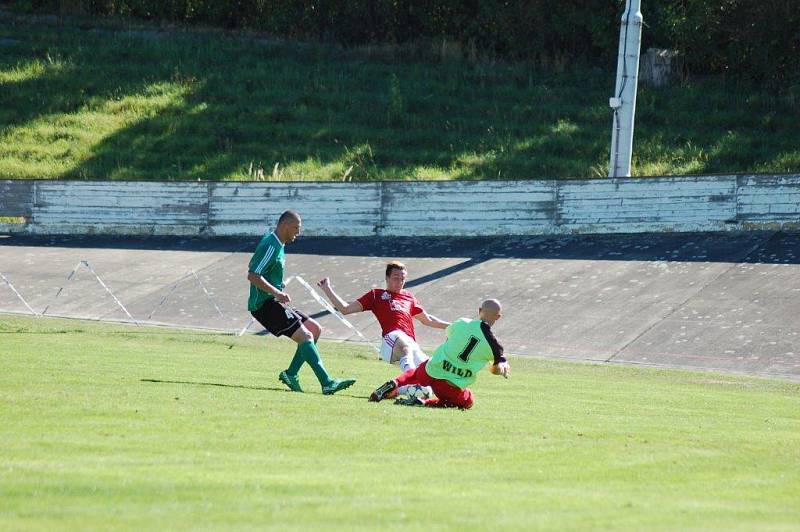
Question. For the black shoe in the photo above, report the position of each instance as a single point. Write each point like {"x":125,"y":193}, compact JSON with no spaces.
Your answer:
{"x":383,"y":391}
{"x":410,"y":401}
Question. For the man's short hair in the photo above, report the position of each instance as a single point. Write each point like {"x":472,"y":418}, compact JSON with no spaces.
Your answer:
{"x":394,"y":265}
{"x":288,"y":215}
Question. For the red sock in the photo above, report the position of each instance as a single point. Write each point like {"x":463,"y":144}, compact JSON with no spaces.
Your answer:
{"x":402,"y":379}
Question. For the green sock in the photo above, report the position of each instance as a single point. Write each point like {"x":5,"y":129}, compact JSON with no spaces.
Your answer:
{"x":297,"y":362}
{"x":311,"y":355}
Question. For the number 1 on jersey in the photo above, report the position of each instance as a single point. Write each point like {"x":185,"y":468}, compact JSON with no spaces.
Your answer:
{"x":468,"y":349}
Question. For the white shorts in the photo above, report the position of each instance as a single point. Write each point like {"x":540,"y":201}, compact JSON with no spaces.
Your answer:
{"x":387,"y":345}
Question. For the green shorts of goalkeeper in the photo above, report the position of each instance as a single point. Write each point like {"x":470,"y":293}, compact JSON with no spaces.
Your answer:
{"x":470,"y":346}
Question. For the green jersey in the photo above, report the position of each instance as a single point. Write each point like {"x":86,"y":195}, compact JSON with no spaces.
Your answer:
{"x":267,"y":262}
{"x":470,"y":345}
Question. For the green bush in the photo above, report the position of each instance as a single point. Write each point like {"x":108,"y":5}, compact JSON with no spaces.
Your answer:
{"x":741,"y":38}
{"x":738,"y":38}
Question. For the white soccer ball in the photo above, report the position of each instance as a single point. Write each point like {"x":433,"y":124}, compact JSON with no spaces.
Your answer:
{"x":418,"y":392}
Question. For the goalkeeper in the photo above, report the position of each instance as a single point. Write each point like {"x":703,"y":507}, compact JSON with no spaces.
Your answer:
{"x":470,"y":345}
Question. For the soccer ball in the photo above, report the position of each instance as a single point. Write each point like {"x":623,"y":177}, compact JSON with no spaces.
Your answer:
{"x":415,"y":391}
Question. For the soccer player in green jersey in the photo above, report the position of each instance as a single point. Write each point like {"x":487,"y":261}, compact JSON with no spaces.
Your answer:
{"x":268,"y":304}
{"x":470,"y":345}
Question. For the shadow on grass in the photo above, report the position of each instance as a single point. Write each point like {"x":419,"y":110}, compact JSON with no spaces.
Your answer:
{"x":241,"y":386}
{"x":76,"y":70}
{"x":244,"y":387}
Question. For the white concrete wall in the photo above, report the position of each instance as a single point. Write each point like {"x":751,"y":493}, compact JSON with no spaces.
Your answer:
{"x":638,"y":205}
{"x":447,"y":208}
{"x":467,"y":208}
{"x":344,"y":209}
{"x":772,"y":200}
{"x":119,"y":207}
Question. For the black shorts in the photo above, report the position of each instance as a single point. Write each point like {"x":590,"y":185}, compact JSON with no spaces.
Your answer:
{"x":278,"y":319}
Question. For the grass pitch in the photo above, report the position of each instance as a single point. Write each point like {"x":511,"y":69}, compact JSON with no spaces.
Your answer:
{"x":119,"y":427}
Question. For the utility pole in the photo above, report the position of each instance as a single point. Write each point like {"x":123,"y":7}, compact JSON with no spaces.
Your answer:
{"x":624,"y":100}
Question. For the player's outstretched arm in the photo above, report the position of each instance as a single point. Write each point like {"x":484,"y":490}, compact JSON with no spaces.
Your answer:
{"x":338,"y":303}
{"x":503,"y":368}
{"x":431,"y":320}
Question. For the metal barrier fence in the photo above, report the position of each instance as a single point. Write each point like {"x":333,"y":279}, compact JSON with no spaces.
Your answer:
{"x":84,"y":265}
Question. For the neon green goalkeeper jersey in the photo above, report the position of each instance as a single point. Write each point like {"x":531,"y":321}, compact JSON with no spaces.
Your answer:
{"x":470,"y":345}
{"x":268,"y":262}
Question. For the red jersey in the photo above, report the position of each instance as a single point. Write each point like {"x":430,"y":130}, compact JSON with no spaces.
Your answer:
{"x":394,"y":310}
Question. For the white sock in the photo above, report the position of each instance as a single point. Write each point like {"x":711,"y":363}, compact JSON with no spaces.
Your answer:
{"x":419,"y":357}
{"x":407,"y":362}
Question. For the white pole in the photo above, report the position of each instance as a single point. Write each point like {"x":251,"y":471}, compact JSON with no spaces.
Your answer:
{"x":99,"y":280}
{"x":624,"y":100}
{"x":11,"y":286}
{"x":327,"y":306}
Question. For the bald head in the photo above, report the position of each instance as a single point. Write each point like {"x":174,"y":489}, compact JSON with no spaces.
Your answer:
{"x":490,"y":311}
{"x":492,"y":305}
{"x":288,"y":226}
{"x":288,"y":216}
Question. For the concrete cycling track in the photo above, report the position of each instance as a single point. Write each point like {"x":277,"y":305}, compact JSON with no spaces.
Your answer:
{"x":726,"y":302}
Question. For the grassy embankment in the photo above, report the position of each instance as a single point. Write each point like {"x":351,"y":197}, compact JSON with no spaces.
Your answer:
{"x":113,"y":100}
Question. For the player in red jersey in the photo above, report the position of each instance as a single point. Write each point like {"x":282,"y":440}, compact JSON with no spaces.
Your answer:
{"x":395,"y":309}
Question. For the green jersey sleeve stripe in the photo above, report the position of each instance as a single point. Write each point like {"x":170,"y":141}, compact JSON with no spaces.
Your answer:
{"x":268,"y":255}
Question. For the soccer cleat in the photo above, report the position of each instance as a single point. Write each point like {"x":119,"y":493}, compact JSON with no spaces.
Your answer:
{"x":292,"y":381}
{"x":337,"y":386}
{"x":410,"y":401}
{"x":384,"y":391}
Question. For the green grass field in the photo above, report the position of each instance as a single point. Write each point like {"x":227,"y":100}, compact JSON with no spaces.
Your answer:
{"x":118,"y":427}
{"x":116,"y":99}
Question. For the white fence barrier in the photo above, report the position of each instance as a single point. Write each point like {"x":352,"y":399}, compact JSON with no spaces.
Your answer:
{"x":438,"y":208}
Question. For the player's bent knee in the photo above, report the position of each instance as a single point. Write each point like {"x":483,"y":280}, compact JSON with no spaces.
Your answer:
{"x":314,"y":328}
{"x":302,"y":335}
